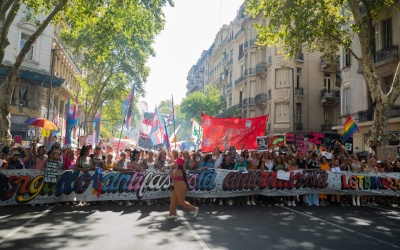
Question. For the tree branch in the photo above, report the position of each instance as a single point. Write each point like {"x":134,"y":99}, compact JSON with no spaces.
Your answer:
{"x":36,"y":34}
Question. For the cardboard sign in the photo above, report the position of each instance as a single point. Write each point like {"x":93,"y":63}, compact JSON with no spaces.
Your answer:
{"x":51,"y":171}
{"x":262,"y":142}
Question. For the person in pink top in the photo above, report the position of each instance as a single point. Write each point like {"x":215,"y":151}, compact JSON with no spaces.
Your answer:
{"x":178,"y":175}
{"x":40,"y":158}
{"x":69,"y":161}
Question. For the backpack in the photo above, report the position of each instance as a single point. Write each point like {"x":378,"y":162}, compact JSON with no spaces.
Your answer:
{"x":4,"y":187}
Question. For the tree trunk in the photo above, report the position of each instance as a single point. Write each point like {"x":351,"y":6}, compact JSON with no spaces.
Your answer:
{"x":7,"y":88}
{"x":6,"y":92}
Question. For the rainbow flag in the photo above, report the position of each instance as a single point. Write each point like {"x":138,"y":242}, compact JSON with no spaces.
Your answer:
{"x":349,"y":128}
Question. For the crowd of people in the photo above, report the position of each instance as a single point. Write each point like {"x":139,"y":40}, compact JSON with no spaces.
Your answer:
{"x":335,"y":159}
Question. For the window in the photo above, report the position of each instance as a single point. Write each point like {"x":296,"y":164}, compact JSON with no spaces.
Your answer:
{"x":346,"y":58}
{"x":281,"y":78}
{"x":230,"y":100}
{"x":327,"y":82}
{"x":387,"y":33}
{"x":24,"y":39}
{"x":387,"y":81}
{"x":298,"y":74}
{"x":298,"y":113}
{"x":241,"y":49}
{"x":346,"y":101}
{"x":282,"y":112}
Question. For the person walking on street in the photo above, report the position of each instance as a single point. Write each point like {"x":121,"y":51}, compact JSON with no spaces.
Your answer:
{"x":180,"y":188}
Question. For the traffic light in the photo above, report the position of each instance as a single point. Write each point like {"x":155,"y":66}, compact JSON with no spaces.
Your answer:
{"x":21,"y":106}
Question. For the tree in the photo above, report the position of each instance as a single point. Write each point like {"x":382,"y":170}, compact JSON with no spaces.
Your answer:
{"x":8,"y":11}
{"x":209,"y":103}
{"x":117,"y":44}
{"x":327,"y":26}
{"x":165,"y":107}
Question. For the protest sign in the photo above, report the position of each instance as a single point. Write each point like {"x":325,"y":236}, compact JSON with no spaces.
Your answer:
{"x":51,"y":171}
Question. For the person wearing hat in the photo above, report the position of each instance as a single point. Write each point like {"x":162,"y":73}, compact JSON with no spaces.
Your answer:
{"x":180,"y":188}
{"x":14,"y":161}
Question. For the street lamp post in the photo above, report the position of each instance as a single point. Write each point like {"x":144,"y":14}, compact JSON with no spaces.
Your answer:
{"x":293,"y":104}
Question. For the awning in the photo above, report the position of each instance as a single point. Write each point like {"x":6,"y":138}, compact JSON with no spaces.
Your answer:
{"x":34,"y":76}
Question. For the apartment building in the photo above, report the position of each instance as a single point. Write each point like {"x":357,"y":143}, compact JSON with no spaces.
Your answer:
{"x":355,"y":96}
{"x":35,"y":75}
{"x":198,"y":73}
{"x":299,"y":95}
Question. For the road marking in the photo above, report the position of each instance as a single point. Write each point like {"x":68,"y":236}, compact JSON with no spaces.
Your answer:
{"x":193,"y":232}
{"x":11,"y":234}
{"x":341,"y":227}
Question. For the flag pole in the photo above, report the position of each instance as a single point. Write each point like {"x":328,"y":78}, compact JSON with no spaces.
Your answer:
{"x":122,"y":128}
{"x":123,"y":124}
{"x":173,"y":117}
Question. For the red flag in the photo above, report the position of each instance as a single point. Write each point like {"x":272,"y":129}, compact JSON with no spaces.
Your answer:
{"x":226,"y":132}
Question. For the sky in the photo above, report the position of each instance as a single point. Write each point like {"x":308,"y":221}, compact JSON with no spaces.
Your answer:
{"x":190,"y":28}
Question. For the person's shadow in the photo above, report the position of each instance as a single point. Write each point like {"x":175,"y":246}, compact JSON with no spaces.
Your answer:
{"x":167,"y":225}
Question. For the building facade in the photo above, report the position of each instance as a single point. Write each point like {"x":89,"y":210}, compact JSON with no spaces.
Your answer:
{"x":33,"y":90}
{"x":355,"y":95}
{"x":299,"y":95}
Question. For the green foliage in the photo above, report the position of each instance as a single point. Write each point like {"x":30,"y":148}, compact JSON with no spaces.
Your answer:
{"x":165,"y":107}
{"x":210,"y":103}
{"x":115,"y":37}
{"x":315,"y":25}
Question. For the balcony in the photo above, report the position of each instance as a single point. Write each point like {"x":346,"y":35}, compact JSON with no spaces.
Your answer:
{"x":252,"y":101}
{"x":245,"y":102}
{"x":330,"y":98}
{"x":239,"y":80}
{"x":261,"y":67}
{"x":326,"y":127}
{"x":229,"y":85}
{"x":394,"y":112}
{"x":299,"y":57}
{"x":387,"y":53}
{"x":249,"y":72}
{"x":299,"y":126}
{"x":269,"y":94}
{"x":211,"y":72}
{"x":328,"y":64}
{"x":250,"y":43}
{"x":260,"y":98}
{"x":365,"y":115}
{"x":229,"y":62}
{"x":241,"y":55}
{"x":238,"y":33}
{"x":299,"y":91}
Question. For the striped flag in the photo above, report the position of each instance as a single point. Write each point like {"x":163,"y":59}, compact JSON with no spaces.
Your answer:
{"x":127,"y":105}
{"x":159,"y":133}
{"x":96,"y":127}
{"x":75,"y":111}
{"x":349,"y":128}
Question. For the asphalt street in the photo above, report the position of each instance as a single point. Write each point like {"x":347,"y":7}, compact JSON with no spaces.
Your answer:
{"x":216,"y":227}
